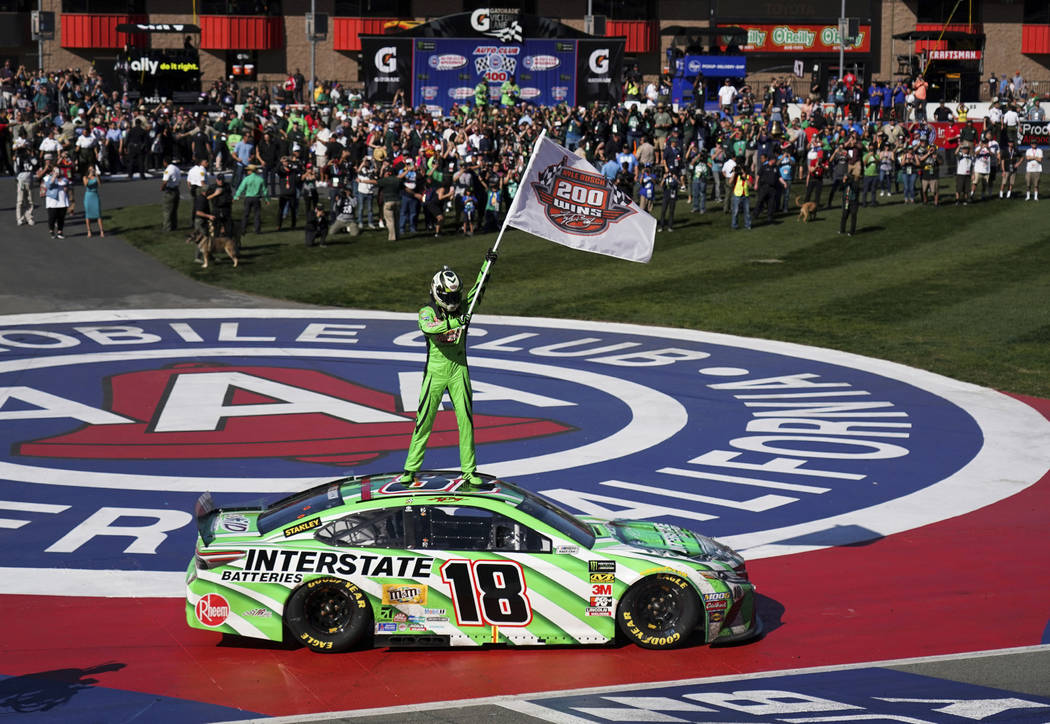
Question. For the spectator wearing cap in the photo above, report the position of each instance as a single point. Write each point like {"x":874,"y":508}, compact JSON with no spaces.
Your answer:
{"x":389,"y":198}
{"x":1033,"y":160}
{"x":410,"y":197}
{"x":662,"y":124}
{"x":308,"y":189}
{"x":609,"y":168}
{"x":700,"y":172}
{"x":25,"y":170}
{"x":220,"y":196}
{"x":255,"y":192}
{"x":850,"y":202}
{"x":170,"y":182}
{"x":769,"y":188}
{"x":365,"y":191}
{"x":197,"y":177}
{"x":50,"y":146}
{"x":86,"y":150}
{"x":288,"y":193}
{"x":726,"y":96}
{"x":267,"y":155}
{"x":243,"y":152}
{"x":203,"y":218}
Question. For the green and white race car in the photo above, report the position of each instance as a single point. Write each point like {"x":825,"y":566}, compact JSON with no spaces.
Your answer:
{"x":442,"y":562}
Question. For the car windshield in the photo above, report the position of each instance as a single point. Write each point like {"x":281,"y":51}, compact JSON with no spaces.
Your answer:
{"x":310,"y":502}
{"x":561,"y":520}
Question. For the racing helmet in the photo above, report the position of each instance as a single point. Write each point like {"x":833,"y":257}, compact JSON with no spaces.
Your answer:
{"x":446,"y":289}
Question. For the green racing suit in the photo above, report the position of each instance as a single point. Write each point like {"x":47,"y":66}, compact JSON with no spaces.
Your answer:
{"x":446,"y":369}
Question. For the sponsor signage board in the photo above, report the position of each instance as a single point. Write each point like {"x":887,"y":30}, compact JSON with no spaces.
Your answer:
{"x":797,"y":38}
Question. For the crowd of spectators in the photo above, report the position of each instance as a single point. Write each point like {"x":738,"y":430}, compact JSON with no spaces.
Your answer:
{"x":343,"y":164}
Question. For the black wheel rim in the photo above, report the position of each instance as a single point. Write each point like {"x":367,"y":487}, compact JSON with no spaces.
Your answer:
{"x":658,"y":608}
{"x":328,"y":609}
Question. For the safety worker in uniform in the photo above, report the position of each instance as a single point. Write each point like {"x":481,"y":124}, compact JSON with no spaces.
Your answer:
{"x":444,"y":321}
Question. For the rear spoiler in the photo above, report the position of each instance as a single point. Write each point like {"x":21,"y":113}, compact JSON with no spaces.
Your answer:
{"x":205,"y":511}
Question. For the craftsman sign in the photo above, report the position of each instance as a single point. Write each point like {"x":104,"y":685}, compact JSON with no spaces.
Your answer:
{"x":954,"y":54}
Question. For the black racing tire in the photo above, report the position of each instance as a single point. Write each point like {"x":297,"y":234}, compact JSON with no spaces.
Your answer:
{"x":658,"y":612}
{"x":328,"y":615}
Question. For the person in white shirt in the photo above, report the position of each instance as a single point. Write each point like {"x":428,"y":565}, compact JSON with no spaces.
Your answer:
{"x":1010,"y":120}
{"x":1033,"y":169}
{"x":50,"y":146}
{"x":728,"y":172}
{"x":87,"y":150}
{"x":169,"y":186}
{"x":982,"y":169}
{"x":963,"y":176}
{"x":197,"y":177}
{"x":56,"y":201}
{"x":995,"y":115}
{"x":726,"y":95}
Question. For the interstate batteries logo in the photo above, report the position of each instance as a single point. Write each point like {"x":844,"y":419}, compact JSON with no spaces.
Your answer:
{"x":112,"y":424}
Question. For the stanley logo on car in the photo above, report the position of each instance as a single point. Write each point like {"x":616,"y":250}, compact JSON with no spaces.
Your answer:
{"x":300,"y":527}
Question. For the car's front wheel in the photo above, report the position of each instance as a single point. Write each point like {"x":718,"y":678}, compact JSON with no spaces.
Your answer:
{"x":658,"y":612}
{"x":328,"y":615}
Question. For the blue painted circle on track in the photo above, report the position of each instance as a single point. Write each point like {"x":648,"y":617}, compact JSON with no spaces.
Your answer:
{"x":116,"y":422}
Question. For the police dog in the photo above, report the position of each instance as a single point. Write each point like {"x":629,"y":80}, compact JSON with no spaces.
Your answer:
{"x":209,"y":244}
{"x":806,"y":211}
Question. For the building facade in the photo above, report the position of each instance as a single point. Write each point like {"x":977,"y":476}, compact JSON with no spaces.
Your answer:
{"x":265,"y":40}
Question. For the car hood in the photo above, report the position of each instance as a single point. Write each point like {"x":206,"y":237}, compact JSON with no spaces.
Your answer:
{"x":671,"y":540}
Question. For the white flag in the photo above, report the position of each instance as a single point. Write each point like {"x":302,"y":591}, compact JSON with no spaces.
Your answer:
{"x":564,"y":199}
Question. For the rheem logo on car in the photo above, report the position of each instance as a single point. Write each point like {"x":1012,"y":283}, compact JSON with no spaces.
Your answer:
{"x":212,"y":610}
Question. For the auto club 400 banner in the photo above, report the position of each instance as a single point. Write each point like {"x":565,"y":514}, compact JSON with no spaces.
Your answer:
{"x":440,"y":63}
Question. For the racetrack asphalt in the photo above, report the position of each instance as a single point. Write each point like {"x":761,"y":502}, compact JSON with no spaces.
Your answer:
{"x":41,"y":274}
{"x":79,"y":273}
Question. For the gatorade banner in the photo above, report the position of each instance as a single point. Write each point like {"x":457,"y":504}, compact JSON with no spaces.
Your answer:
{"x":386,"y":66}
{"x":599,"y":67}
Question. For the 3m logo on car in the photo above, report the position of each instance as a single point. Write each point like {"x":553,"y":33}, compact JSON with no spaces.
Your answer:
{"x":398,"y":593}
{"x":212,"y":610}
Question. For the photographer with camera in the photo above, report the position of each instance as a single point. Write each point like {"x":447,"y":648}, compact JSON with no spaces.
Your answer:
{"x":365,"y":192}
{"x":288,"y":171}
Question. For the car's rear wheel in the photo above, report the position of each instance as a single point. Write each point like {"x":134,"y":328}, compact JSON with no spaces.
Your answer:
{"x":658,"y":612}
{"x":328,"y":615}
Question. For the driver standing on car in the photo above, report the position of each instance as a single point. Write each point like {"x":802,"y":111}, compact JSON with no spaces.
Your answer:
{"x":445,"y":328}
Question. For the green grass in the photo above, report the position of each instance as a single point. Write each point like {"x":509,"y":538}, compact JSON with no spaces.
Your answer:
{"x":962,"y":291}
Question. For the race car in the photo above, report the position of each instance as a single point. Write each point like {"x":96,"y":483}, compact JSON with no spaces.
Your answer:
{"x":440,"y":561}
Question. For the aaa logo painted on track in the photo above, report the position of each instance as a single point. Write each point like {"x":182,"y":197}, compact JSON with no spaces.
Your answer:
{"x":113,"y":423}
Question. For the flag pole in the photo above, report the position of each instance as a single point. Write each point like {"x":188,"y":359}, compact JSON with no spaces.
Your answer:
{"x":499,"y":237}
